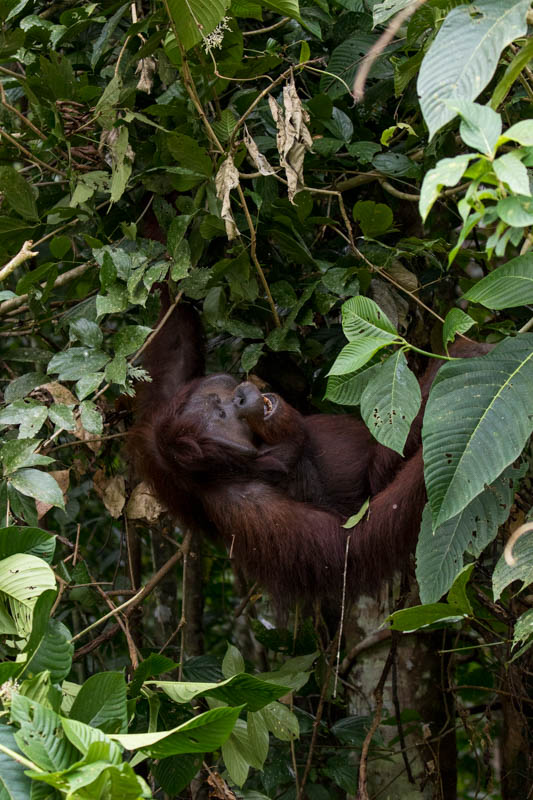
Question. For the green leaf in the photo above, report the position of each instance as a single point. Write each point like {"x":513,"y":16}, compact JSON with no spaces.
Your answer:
{"x":347,"y":389}
{"x":510,"y":170}
{"x":289,"y":8}
{"x":38,"y":484}
{"x":440,"y":553}
{"x":239,"y":753}
{"x":38,"y":735}
{"x":281,"y":722}
{"x":122,"y":164}
{"x":21,"y":386}
{"x":233,"y":662}
{"x":448,"y":172}
{"x":390,"y":402}
{"x":383,"y":11}
{"x":18,"y":453}
{"x":412,"y":619}
{"x":361,"y":316}
{"x":23,"y":578}
{"x":480,"y":127}
{"x":201,"y":734}
{"x":29,"y":414}
{"x":374,"y":218}
{"x":516,"y":211}
{"x":86,"y":331}
{"x":356,"y":354}
{"x":102,"y":43}
{"x":523,"y":629}
{"x":18,"y":193}
{"x":464,"y":55}
{"x":251,"y":355}
{"x":176,"y":772}
{"x":456,"y":322}
{"x":90,"y":416}
{"x":207,"y":15}
{"x":88,"y":384}
{"x":14,"y":784}
{"x":129,"y":338}
{"x":505,"y":287}
{"x":62,"y":416}
{"x":152,"y":666}
{"x":27,"y":540}
{"x":352,"y":521}
{"x":521,"y":132}
{"x":116,"y":371}
{"x":241,"y":689}
{"x":76,"y":363}
{"x":478,"y":418}
{"x":101,"y":702}
{"x":518,"y":63}
{"x":83,"y":736}
{"x":49,"y":647}
{"x":458,"y":595}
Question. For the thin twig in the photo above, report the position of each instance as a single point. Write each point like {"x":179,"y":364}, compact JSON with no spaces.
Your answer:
{"x":24,"y":254}
{"x":378,"y":47}
{"x":268,"y":29}
{"x":318,"y":717}
{"x":134,"y":601}
{"x":30,"y":156}
{"x":253,"y":254}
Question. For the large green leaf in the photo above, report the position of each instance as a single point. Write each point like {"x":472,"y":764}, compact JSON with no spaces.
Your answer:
{"x":357,"y":353}
{"x":24,"y":577}
{"x":361,"y":316}
{"x":52,"y":650}
{"x":101,"y":702}
{"x":27,"y":540}
{"x":478,"y":418}
{"x":38,"y":735}
{"x":77,"y":362}
{"x":289,"y":8}
{"x":14,"y":785}
{"x":38,"y":484}
{"x":238,"y":690}
{"x":465,"y":53}
{"x":448,"y":172}
{"x":201,"y":734}
{"x":347,"y":389}
{"x":390,"y":402}
{"x":507,"y":286}
{"x":439,"y":554}
{"x":196,"y":19}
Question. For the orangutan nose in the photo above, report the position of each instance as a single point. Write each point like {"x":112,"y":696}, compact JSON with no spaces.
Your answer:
{"x":248,"y":400}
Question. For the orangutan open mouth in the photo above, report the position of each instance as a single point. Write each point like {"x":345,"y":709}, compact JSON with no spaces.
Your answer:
{"x":269,"y":404}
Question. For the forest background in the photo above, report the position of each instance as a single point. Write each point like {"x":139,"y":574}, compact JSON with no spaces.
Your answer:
{"x":328,"y":244}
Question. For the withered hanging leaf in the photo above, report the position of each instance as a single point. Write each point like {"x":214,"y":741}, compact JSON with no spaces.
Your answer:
{"x":112,"y":492}
{"x":143,"y":504}
{"x":258,"y":159}
{"x":227,"y":178}
{"x":293,"y":138}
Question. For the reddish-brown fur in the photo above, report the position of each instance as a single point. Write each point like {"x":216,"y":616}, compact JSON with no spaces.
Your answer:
{"x":280,"y":510}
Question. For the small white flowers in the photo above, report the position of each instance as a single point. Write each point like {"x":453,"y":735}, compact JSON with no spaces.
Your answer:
{"x":8,"y":689}
{"x":216,"y":37}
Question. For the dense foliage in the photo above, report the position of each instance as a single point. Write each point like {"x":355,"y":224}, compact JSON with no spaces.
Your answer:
{"x":331,"y":248}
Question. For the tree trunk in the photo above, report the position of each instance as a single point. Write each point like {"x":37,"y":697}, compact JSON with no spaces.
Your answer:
{"x":419,"y":762}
